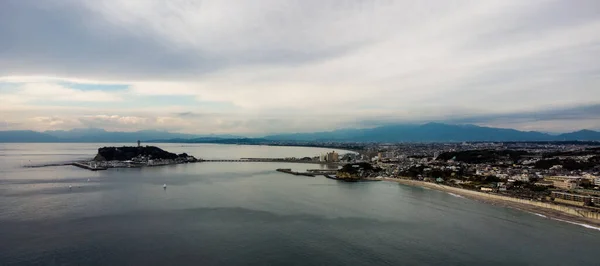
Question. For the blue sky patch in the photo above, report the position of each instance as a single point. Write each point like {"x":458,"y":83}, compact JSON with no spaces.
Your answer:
{"x":94,"y":87}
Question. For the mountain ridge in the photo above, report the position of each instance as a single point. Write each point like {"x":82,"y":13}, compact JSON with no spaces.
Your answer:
{"x":435,"y":132}
{"x":87,"y":135}
{"x":429,"y":132}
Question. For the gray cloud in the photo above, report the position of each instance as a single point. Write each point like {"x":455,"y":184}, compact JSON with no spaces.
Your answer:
{"x":276,"y":66}
{"x":67,"y":38}
{"x":534,"y":19}
{"x":586,"y":112}
{"x":54,"y":38}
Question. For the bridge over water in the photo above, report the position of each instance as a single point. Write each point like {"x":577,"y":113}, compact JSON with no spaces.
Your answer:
{"x":93,"y":167}
{"x":267,"y":160}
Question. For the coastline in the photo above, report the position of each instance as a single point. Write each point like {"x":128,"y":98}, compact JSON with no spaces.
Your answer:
{"x":553,"y":214}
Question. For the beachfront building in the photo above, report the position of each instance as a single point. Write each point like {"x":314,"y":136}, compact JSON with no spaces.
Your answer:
{"x":333,"y":157}
{"x":544,"y":183}
{"x":575,"y":199}
{"x":329,"y":157}
{"x":521,"y":177}
{"x":564,"y":182}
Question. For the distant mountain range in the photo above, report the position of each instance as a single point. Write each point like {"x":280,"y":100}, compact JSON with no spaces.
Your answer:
{"x":95,"y":135}
{"x":435,"y":132}
{"x":430,"y":132}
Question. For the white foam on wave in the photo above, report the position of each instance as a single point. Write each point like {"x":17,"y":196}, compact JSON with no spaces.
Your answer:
{"x":561,"y":220}
{"x":540,"y":215}
{"x":580,"y":224}
{"x":456,"y":195}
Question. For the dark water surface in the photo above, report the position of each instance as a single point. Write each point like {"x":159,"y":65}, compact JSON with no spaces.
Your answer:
{"x":248,"y":214}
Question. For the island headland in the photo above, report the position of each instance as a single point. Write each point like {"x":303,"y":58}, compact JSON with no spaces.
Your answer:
{"x":130,"y":156}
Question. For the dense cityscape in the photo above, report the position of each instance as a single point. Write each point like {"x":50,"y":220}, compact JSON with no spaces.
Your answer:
{"x":558,"y":172}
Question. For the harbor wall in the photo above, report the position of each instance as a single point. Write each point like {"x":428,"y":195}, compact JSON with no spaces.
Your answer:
{"x":565,"y":209}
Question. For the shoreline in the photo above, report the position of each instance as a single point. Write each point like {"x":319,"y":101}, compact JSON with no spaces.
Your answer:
{"x":86,"y":164}
{"x":499,"y":201}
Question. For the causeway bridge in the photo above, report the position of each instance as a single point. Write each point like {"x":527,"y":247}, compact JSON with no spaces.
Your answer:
{"x":93,"y":167}
{"x":266,"y":160}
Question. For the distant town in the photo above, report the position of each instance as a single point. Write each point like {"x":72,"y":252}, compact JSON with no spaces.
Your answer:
{"x":558,"y":172}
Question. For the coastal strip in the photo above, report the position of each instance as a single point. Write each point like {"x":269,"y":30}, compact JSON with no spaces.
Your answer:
{"x":552,"y":211}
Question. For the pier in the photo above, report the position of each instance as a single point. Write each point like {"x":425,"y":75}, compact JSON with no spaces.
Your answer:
{"x":88,"y":166}
{"x":322,"y":171}
{"x":47,"y":165}
{"x":289,"y":171}
{"x":84,"y":165}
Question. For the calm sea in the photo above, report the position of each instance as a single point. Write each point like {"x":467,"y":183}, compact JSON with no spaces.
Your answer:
{"x":249,"y":214}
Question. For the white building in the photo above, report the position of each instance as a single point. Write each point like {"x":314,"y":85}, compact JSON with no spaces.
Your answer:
{"x":524,"y":178}
{"x":322,"y":157}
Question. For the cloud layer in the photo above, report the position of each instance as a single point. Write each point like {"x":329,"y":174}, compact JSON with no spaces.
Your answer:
{"x":283,"y":66}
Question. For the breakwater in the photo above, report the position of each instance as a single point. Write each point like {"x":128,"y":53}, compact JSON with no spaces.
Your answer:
{"x":589,"y":215}
{"x":89,"y":166}
{"x":47,"y":165}
{"x":84,"y":165}
{"x":322,"y":171}
{"x":289,"y":171}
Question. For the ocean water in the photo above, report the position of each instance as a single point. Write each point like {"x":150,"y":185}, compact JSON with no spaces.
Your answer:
{"x":249,"y":214}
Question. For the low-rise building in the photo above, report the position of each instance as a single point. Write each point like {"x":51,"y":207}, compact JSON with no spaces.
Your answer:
{"x":590,"y":192}
{"x":574,"y":199}
{"x":522,"y":177}
{"x":564,"y":182}
{"x":544,"y":183}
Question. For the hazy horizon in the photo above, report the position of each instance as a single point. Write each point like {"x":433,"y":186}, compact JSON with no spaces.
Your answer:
{"x":264,"y":67}
{"x":91,"y":130}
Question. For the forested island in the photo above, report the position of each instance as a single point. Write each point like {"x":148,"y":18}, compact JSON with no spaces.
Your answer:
{"x":130,"y":156}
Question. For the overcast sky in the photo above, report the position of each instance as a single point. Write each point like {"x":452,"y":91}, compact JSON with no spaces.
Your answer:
{"x":267,"y":66}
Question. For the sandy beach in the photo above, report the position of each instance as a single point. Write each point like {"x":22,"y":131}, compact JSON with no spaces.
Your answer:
{"x":540,"y":211}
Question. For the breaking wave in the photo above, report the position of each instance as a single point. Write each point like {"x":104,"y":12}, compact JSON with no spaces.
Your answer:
{"x":580,"y":224}
{"x":456,"y":195}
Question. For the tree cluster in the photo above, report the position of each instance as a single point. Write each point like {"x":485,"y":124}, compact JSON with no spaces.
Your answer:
{"x":128,"y":153}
